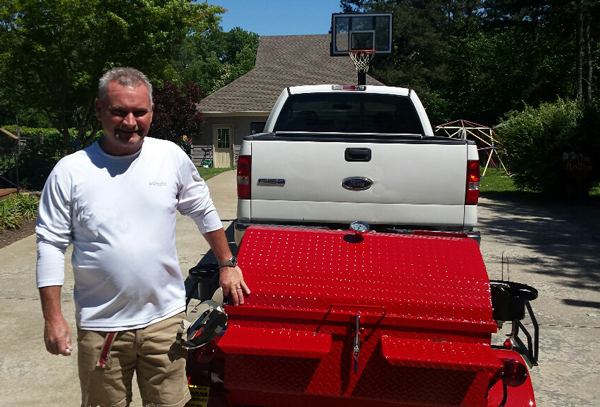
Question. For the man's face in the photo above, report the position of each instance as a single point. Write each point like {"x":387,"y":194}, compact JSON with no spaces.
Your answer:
{"x":125,"y":114}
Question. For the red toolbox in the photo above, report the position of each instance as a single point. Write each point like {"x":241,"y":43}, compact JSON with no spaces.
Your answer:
{"x":337,"y":318}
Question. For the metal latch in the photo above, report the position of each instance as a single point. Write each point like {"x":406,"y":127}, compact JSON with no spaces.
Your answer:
{"x":357,"y":344}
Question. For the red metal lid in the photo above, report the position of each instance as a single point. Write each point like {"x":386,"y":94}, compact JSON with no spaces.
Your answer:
{"x":393,"y":279}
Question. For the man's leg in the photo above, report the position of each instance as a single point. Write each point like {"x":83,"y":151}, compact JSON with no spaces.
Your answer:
{"x":161,"y":365}
{"x":108,"y":385}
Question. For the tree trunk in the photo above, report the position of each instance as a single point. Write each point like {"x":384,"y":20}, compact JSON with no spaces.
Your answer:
{"x":589,"y":59}
{"x":579,"y":68}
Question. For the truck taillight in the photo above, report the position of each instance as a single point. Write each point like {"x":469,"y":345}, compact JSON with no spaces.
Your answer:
{"x":472,"y":195}
{"x":243,"y":176}
{"x":514,"y":373}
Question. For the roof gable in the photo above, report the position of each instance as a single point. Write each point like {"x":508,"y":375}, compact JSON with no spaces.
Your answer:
{"x":282,"y":61}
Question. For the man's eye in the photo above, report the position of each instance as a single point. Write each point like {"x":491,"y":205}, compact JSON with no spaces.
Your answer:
{"x":120,"y":113}
{"x":140,"y":113}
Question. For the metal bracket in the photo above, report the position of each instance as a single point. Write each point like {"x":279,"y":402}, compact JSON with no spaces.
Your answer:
{"x":357,"y":344}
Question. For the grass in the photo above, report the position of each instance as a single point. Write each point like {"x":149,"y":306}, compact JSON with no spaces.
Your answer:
{"x":496,"y":180}
{"x":208,"y":173}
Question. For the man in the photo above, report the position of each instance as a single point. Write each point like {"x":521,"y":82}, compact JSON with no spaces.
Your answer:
{"x":116,"y":202}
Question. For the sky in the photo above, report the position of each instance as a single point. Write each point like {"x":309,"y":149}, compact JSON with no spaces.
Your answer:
{"x":279,"y":17}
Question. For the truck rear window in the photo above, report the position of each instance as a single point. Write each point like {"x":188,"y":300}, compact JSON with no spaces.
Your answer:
{"x":349,"y":113}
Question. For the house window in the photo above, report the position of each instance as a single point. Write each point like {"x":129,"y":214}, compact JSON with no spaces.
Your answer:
{"x":257,"y":127}
{"x":223,"y":138}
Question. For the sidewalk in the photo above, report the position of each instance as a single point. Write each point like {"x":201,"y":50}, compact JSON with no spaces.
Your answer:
{"x":30,"y":376}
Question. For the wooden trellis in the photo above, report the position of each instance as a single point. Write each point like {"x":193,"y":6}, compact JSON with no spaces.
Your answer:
{"x":10,"y":144}
{"x":486,"y":136}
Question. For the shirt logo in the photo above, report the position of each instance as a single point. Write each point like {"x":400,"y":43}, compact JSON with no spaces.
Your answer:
{"x":158,"y":184}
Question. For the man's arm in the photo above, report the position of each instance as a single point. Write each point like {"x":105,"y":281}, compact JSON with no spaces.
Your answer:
{"x":231,"y":278}
{"x":57,"y":334}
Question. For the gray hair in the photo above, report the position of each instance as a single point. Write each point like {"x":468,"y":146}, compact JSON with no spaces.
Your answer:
{"x":125,"y":76}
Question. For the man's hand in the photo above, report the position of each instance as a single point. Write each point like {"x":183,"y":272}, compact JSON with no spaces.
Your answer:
{"x":231,"y":278}
{"x":232,"y":282}
{"x":57,"y":334}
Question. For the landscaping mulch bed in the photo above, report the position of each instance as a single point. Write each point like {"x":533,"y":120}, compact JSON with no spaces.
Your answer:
{"x":9,"y":236}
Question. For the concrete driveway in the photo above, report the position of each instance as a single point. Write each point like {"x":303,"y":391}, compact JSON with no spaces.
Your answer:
{"x":30,"y":376}
{"x":554,"y":247}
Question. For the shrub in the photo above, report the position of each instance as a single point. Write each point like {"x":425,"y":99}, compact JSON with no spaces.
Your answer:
{"x":41,"y":151}
{"x":37,"y":160}
{"x":27,"y":205}
{"x":17,"y":208}
{"x":10,"y":218}
{"x":552,"y":148}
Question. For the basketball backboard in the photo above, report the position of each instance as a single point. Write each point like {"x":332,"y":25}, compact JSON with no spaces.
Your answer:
{"x":361,"y":31}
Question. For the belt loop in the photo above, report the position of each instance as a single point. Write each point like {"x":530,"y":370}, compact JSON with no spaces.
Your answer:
{"x":108,"y":342}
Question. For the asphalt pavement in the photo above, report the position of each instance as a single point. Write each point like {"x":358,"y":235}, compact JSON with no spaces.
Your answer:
{"x":553,"y":247}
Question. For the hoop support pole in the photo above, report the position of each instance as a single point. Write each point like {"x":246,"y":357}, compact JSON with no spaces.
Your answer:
{"x":362,"y":78}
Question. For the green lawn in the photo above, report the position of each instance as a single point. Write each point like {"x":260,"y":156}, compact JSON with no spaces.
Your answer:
{"x":208,"y":173}
{"x":496,"y":180}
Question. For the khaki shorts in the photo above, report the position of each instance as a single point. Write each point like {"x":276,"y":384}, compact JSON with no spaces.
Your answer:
{"x":153,"y":353}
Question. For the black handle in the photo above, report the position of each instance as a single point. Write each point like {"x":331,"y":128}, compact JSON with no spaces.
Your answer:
{"x":358,"y":154}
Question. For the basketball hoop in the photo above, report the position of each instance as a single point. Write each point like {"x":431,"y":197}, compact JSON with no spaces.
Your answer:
{"x":362,"y":58}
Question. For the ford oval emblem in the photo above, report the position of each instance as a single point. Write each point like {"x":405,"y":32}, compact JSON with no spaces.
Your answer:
{"x":357,"y":183}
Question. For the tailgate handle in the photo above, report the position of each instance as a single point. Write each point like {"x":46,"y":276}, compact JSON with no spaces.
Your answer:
{"x":358,"y":154}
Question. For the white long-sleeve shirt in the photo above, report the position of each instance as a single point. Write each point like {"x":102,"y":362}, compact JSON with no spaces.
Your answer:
{"x":119,"y":214}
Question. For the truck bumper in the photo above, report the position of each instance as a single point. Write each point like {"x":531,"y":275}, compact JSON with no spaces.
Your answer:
{"x":240,"y":229}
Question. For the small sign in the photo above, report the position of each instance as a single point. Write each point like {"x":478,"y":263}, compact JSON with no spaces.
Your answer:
{"x":199,"y":396}
{"x":577,"y":163}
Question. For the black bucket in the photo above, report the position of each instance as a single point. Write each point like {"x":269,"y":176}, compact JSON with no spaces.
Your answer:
{"x":508,"y":299}
{"x":207,"y":278}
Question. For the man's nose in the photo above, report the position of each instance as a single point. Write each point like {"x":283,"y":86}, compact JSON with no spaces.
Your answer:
{"x":130,"y":119}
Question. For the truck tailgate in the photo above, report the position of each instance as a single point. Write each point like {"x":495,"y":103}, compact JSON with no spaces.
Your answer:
{"x":414,"y":181}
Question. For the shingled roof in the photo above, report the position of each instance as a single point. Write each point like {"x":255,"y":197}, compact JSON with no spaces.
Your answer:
{"x":282,"y":61}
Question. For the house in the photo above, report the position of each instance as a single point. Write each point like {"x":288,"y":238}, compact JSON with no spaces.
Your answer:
{"x":242,"y":107}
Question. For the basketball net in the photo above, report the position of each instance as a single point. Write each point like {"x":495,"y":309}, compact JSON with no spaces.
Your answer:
{"x":362,"y":58}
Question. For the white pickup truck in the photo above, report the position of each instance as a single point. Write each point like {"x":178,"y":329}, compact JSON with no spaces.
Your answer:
{"x":333,"y":154}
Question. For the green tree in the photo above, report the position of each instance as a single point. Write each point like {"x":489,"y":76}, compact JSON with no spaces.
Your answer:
{"x":422,"y":53}
{"x":57,"y":49}
{"x":214,"y":58}
{"x":552,"y":46}
{"x":478,"y":59}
